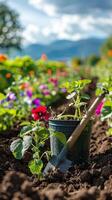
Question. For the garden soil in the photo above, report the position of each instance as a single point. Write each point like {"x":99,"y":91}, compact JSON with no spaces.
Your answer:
{"x":88,"y":181}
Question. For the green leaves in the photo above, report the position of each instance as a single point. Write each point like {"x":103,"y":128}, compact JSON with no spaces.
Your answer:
{"x":20,"y":146}
{"x":2,"y":96}
{"x":4,"y":111}
{"x":25,"y":130}
{"x":76,"y":86}
{"x":32,"y":135}
{"x":16,"y":148}
{"x":85,"y":96}
{"x":105,"y":85}
{"x":60,"y":136}
{"x":106,"y":112}
{"x":35,"y":166}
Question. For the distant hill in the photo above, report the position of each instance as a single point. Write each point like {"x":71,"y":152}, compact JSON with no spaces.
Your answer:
{"x":63,"y":49}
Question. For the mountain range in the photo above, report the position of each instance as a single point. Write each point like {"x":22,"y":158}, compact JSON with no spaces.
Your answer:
{"x":63,"y":49}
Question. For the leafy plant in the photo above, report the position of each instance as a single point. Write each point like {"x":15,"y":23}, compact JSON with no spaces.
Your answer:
{"x":33,"y":136}
{"x":75,"y":93}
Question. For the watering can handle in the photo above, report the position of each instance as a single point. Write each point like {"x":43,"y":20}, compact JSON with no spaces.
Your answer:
{"x":77,"y":132}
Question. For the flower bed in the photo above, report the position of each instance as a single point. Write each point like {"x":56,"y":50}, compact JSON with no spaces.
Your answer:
{"x":23,"y":118}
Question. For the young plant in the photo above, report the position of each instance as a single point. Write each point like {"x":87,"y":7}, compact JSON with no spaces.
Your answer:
{"x":33,"y":136}
{"x":75,"y":93}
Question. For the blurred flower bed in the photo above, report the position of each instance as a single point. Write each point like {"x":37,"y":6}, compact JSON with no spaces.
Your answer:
{"x":27,"y":84}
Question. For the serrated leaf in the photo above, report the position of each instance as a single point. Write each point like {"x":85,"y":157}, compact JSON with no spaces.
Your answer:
{"x":35,"y":166}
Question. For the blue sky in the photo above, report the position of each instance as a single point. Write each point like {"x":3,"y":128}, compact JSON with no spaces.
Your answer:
{"x":48,"y":20}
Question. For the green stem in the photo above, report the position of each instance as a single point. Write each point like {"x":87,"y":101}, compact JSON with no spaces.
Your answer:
{"x":61,"y":117}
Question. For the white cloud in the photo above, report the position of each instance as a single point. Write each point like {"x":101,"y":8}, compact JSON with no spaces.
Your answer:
{"x":60,"y":25}
{"x":71,"y":27}
{"x":30,"y":34}
{"x":48,"y":8}
{"x":47,"y":20}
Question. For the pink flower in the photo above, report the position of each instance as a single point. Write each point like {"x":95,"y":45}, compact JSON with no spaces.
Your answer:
{"x":99,"y":108}
{"x":43,"y":87}
{"x":54,"y":81}
{"x":46,"y":92}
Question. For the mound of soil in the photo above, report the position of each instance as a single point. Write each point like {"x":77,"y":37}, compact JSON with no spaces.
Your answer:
{"x":90,"y":181}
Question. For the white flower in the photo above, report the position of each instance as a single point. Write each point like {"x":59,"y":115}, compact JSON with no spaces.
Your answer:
{"x":70,"y":96}
{"x":27,"y":100}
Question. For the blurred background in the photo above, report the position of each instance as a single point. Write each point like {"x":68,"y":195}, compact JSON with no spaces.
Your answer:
{"x":60,"y":29}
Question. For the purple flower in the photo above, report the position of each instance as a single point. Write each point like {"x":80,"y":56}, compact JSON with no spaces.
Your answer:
{"x":29,"y":93}
{"x":10,"y":105}
{"x":46,"y":92}
{"x":36,"y":102}
{"x":11,"y":96}
{"x":22,"y":94}
{"x":2,"y":101}
{"x":63,"y":90}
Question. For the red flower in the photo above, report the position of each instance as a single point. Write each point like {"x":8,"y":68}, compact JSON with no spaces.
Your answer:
{"x":40,"y":113}
{"x":54,"y":81}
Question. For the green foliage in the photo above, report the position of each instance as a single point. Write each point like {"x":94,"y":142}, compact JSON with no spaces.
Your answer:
{"x":76,"y":86}
{"x":34,"y":136}
{"x":4,"y":81}
{"x":107,"y":46}
{"x":92,"y":60}
{"x":76,"y":61}
{"x":44,"y":66}
{"x":7,"y":116}
{"x":20,"y":146}
{"x":60,"y":136}
{"x":9,"y":28}
{"x":2,"y":96}
{"x":36,"y":166}
{"x":74,"y":90}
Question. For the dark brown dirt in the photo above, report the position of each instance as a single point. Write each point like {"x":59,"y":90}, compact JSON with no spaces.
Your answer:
{"x":88,"y":181}
{"x":92,"y":181}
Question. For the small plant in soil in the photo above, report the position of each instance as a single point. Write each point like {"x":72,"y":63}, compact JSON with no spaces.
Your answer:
{"x":33,"y":137}
{"x":77,"y":98}
{"x":35,"y":134}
